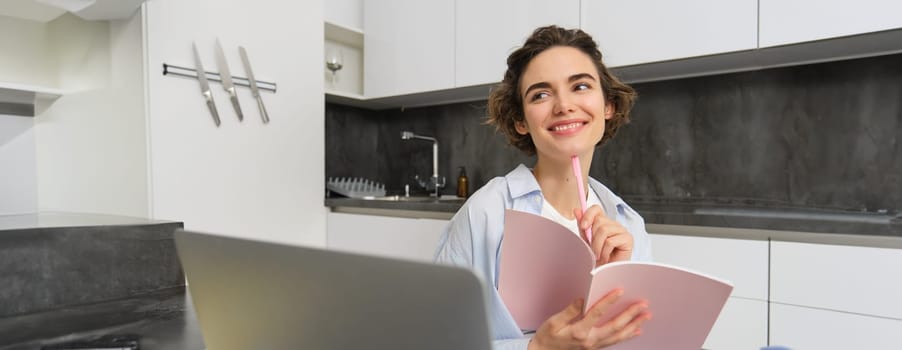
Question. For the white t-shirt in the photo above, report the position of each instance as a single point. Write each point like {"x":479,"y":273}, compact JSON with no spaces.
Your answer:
{"x":549,"y":212}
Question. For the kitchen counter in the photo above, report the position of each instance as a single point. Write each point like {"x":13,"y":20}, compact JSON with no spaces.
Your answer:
{"x":62,"y":219}
{"x":700,"y":218}
{"x":449,"y":206}
{"x":68,"y":277}
{"x":163,"y":319}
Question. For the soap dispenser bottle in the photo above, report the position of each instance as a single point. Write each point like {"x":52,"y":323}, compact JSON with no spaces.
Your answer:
{"x":462,"y":186}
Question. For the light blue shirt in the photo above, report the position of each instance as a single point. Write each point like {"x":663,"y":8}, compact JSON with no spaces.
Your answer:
{"x":473,"y":238}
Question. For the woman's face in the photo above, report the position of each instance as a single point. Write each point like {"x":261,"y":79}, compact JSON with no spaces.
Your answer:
{"x":563,"y":103}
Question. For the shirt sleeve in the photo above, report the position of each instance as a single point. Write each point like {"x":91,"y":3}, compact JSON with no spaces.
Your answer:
{"x":511,"y":344}
{"x":635,"y":224}
{"x":469,"y":241}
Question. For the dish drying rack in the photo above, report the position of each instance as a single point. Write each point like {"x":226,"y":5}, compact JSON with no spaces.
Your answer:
{"x":355,"y":187}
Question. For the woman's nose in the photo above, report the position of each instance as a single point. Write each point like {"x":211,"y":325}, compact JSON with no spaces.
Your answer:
{"x":563,"y":104}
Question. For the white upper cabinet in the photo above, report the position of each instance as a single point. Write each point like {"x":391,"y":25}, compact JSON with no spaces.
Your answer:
{"x":485,"y":38}
{"x":644,"y":31}
{"x":344,"y":13}
{"x":409,"y":46}
{"x":795,"y":21}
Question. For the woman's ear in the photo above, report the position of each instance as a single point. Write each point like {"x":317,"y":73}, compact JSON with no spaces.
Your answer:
{"x":608,"y":110}
{"x":521,"y":127}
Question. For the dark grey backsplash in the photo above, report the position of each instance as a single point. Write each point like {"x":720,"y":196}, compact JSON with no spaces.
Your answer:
{"x":363,"y":143}
{"x":817,"y":136}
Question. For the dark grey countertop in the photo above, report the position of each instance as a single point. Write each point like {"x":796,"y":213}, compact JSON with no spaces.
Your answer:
{"x":161,"y":320}
{"x":426,"y":204}
{"x":65,"y":219}
{"x":738,"y":219}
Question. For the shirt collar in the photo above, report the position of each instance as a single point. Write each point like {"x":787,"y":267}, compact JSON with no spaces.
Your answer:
{"x":521,"y":182}
{"x":607,"y":197}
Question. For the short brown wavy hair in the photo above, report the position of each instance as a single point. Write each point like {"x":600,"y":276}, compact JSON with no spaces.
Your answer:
{"x":505,"y":105}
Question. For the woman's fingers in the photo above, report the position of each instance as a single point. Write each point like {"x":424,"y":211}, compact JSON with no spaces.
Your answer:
{"x":565,"y":317}
{"x":610,"y":242}
{"x":623,"y":326}
{"x":588,"y":220}
{"x":570,"y":329}
{"x":620,"y":332}
{"x":618,"y":243}
{"x":621,"y":247}
{"x":594,"y":314}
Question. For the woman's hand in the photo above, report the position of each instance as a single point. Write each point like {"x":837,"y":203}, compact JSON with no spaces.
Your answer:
{"x":610,"y":240}
{"x":569,"y":330}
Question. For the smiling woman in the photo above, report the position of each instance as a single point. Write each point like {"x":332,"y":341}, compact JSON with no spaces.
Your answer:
{"x":506,"y":103}
{"x":558,"y":102}
{"x":563,"y":105}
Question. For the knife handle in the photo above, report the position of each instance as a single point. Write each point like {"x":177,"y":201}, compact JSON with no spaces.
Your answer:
{"x":234,"y":97}
{"x":212,"y":106}
{"x":263,"y":113}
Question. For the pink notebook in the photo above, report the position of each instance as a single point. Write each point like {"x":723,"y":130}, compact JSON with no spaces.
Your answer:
{"x":545,"y":267}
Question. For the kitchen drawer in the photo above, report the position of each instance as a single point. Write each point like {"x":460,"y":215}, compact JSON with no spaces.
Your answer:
{"x":742,"y":262}
{"x":802,"y":328}
{"x":860,"y":280}
{"x":742,"y":324}
{"x":403,"y":238}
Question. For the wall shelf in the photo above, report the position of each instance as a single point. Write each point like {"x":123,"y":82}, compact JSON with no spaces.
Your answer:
{"x":21,"y":99}
{"x":346,"y":35}
{"x":346,"y":85}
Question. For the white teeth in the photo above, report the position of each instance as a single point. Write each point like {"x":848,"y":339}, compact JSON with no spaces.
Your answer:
{"x":566,"y":126}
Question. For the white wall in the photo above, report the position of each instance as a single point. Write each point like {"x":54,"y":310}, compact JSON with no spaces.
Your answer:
{"x":86,"y":151}
{"x":18,"y":186}
{"x":90,"y":143}
{"x":242,"y":179}
{"x":348,"y":13}
{"x":23,"y":60}
{"x":25,"y":56}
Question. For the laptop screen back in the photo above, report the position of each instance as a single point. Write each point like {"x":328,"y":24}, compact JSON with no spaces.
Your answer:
{"x":257,"y":295}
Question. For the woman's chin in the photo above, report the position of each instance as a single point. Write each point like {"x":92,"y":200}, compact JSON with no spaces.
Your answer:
{"x":565,"y":153}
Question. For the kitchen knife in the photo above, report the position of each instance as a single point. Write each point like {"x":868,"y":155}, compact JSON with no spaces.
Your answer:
{"x":253,"y":81}
{"x":226,"y":76}
{"x":205,"y":85}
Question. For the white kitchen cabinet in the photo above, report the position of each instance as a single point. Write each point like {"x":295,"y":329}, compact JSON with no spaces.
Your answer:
{"x":484,"y":39}
{"x":404,"y":238}
{"x":742,"y":262}
{"x":742,"y":323}
{"x":794,"y":21}
{"x":798,"y":327}
{"x":835,"y":297}
{"x":644,"y":31}
{"x":860,"y":280}
{"x":409,"y":47}
{"x":344,"y":13}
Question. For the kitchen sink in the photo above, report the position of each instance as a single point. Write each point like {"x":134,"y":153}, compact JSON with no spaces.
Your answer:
{"x":399,"y":198}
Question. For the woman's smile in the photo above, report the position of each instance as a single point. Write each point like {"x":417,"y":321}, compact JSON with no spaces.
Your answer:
{"x":567,"y":127}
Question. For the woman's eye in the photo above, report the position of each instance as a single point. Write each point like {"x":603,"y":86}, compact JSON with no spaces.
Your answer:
{"x":538,"y":96}
{"x":582,"y":86}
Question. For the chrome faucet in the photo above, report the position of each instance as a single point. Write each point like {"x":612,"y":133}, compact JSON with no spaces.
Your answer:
{"x":435,"y":183}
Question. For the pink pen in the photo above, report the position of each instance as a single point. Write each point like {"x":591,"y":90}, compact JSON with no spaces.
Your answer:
{"x":578,"y":172}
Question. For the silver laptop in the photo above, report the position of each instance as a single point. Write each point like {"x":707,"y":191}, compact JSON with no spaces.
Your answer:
{"x":256,"y":295}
